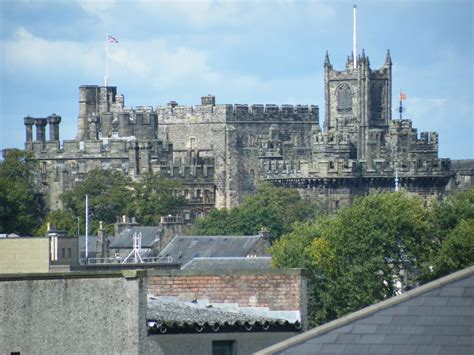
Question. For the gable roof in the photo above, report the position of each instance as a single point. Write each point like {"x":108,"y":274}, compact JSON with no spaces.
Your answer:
{"x":228,"y":263}
{"x":184,"y":248}
{"x":150,"y":236}
{"x":437,"y":317}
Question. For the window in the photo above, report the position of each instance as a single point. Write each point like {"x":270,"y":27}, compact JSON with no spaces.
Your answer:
{"x":63,"y":253}
{"x":344,"y":98}
{"x":69,"y":252}
{"x":222,"y":347}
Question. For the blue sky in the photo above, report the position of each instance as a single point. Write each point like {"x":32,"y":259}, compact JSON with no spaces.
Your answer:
{"x":240,"y":51}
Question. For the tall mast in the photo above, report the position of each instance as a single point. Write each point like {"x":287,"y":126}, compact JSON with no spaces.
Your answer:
{"x":354,"y":39}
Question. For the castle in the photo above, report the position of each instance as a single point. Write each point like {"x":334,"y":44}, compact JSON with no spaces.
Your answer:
{"x":220,"y":152}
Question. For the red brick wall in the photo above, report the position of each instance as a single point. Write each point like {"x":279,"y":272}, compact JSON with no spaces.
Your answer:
{"x":277,"y":290}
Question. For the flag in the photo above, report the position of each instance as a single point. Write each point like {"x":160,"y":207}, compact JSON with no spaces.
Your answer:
{"x":112,"y":39}
{"x":403,"y":96}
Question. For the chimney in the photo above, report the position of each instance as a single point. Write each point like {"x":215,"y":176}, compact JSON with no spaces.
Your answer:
{"x":40,"y":124}
{"x":102,"y":243}
{"x":209,"y":100}
{"x":264,"y":233}
{"x":123,"y":223}
{"x":54,"y":121}
{"x":29,"y":122}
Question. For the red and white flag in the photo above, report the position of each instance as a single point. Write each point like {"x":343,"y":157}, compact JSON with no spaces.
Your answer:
{"x":403,"y":96}
{"x":112,"y":39}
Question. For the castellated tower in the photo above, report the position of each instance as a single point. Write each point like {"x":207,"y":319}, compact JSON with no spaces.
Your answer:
{"x":93,"y":101}
{"x":221,"y":152}
{"x":358,"y":105}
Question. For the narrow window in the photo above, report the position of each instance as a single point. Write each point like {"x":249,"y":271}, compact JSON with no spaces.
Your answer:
{"x":344,"y":98}
{"x":69,"y":252}
{"x":63,"y":253}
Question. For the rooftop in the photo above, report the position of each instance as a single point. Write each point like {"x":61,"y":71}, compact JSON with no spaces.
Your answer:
{"x":184,"y":248}
{"x":168,"y":314}
{"x":228,"y":263}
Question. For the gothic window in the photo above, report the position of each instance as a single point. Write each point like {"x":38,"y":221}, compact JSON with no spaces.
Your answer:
{"x":344,"y":98}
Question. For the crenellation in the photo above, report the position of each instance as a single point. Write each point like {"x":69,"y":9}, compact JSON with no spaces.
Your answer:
{"x":220,"y":152}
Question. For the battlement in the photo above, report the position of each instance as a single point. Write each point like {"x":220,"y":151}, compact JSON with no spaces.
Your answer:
{"x":238,"y":112}
{"x":270,"y":112}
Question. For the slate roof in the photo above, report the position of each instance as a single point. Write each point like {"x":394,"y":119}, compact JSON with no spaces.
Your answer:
{"x":91,"y":243}
{"x":184,"y":248}
{"x":436,"y":318}
{"x":228,"y":263}
{"x":165,"y":314}
{"x":150,"y":236}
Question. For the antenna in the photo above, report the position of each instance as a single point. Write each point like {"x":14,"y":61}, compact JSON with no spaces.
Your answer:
{"x":354,"y":39}
{"x":137,"y":246}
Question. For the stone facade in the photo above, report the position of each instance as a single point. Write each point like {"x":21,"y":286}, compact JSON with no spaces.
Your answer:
{"x":220,"y":152}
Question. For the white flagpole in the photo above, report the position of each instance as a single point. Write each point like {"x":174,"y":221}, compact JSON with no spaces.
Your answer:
{"x":354,"y":39}
{"x":87,"y":227}
{"x":106,"y":58}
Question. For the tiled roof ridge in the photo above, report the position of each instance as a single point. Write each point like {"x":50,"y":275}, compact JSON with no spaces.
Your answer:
{"x":369,"y":310}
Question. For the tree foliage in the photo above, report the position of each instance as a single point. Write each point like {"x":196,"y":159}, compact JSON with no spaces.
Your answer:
{"x":20,"y":206}
{"x":452,"y":233}
{"x":271,"y":207}
{"x":355,"y":257}
{"x":111,"y":194}
{"x":59,"y":220}
{"x":154,"y":197}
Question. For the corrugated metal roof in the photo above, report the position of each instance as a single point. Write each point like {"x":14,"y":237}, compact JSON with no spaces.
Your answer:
{"x":166,"y":314}
{"x":184,"y":248}
{"x":228,"y":263}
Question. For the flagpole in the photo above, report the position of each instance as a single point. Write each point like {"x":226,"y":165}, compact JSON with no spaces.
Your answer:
{"x":106,"y":59}
{"x":354,"y":38}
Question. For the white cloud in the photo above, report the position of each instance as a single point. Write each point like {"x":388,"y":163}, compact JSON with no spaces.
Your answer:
{"x":26,"y":53}
{"x":101,"y":8}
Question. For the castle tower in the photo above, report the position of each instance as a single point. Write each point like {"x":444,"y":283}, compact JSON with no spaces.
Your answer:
{"x":358,"y":102}
{"x":54,"y":121}
{"x":98,"y":100}
{"x":29,"y":122}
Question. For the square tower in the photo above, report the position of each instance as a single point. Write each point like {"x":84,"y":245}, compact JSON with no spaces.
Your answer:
{"x":358,"y":102}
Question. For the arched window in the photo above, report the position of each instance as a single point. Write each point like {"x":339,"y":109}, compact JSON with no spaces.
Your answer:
{"x":344,"y":98}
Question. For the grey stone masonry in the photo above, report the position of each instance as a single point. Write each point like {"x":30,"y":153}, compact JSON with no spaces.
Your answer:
{"x":437,"y":318}
{"x":221,"y":152}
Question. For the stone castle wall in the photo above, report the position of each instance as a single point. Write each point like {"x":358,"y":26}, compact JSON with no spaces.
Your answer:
{"x":221,"y":152}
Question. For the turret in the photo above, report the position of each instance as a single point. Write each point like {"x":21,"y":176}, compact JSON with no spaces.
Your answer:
{"x":54,"y":121}
{"x":40,"y":124}
{"x":327,"y":63}
{"x":29,"y":122}
{"x":388,"y":59}
{"x":208,"y":100}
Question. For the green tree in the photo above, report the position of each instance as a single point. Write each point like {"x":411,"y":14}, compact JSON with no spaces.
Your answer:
{"x":20,"y":205}
{"x":355,"y":257}
{"x":154,"y":196}
{"x":457,"y":251}
{"x":110,"y":195}
{"x":452,"y":241}
{"x":271,"y":207}
{"x":59,"y":220}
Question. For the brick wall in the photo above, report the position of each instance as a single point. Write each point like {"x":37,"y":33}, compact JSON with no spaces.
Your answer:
{"x":279,"y":290}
